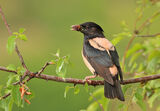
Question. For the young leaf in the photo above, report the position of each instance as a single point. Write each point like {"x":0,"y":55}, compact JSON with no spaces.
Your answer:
{"x":93,"y":107}
{"x":21,"y":30}
{"x":60,"y":71}
{"x":7,"y":103}
{"x":11,"y":78}
{"x":86,"y":86}
{"x":142,"y":105}
{"x":15,"y":93}
{"x":11,"y":44}
{"x":22,"y":37}
{"x":76,"y":90}
{"x":20,"y":70}
{"x":153,"y":98}
{"x":116,"y":40}
{"x":135,"y":48}
{"x":11,"y":67}
{"x":82,"y":110}
{"x":125,"y":88}
{"x":66,"y":91}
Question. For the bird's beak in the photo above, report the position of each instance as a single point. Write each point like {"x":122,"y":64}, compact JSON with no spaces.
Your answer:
{"x":76,"y":27}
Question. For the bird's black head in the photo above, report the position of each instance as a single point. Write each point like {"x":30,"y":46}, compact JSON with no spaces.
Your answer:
{"x":89,"y":29}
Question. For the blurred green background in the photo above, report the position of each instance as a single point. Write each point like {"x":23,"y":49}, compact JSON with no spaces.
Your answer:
{"x":47,"y":24}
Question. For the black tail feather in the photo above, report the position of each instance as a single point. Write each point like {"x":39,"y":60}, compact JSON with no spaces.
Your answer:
{"x":113,"y":91}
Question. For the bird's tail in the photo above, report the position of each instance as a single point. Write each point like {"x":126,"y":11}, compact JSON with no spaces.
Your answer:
{"x":113,"y":91}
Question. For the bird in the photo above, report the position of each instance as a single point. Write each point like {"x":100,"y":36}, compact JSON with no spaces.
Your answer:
{"x":101,"y":58}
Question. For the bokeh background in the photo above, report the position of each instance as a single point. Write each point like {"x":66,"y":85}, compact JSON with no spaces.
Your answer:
{"x":47,"y":24}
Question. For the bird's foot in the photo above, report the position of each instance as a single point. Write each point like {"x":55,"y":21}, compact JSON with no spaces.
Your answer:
{"x":87,"y":78}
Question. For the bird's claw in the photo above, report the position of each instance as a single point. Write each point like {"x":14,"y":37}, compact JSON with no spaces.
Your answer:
{"x":87,"y":80}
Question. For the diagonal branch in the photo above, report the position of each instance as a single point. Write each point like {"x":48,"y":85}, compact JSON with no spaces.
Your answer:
{"x":154,"y":35}
{"x":10,"y":33}
{"x":5,"y":96}
{"x":43,"y":68}
{"x":5,"y":21}
{"x":21,"y":58}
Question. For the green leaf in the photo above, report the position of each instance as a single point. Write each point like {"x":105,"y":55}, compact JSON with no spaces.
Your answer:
{"x":16,"y":95}
{"x":151,"y":65}
{"x":156,"y":14}
{"x":11,"y":67}
{"x":22,"y":37}
{"x":125,"y":88}
{"x":76,"y":90}
{"x":135,"y":48}
{"x":116,"y":40}
{"x":11,"y":44}
{"x":138,"y":94}
{"x":7,"y":103}
{"x":11,"y":78}
{"x":139,"y":99}
{"x":153,"y":98}
{"x":60,"y":70}
{"x":20,"y":70}
{"x":142,"y":105}
{"x":124,"y":25}
{"x":86,"y":86}
{"x":120,"y":106}
{"x":93,"y":107}
{"x":0,"y":91}
{"x":15,"y":33}
{"x":66,"y":91}
{"x":134,"y":66}
{"x":153,"y":54}
{"x":21,"y":30}
{"x":134,"y":57}
{"x":82,"y":110}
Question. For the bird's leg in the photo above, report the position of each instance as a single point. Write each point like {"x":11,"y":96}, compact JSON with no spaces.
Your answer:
{"x":87,"y":78}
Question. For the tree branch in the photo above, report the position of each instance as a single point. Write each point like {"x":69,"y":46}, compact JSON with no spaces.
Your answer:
{"x":82,"y":82}
{"x":96,"y":82}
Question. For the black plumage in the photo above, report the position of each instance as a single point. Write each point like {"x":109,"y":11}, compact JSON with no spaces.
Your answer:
{"x":101,"y":57}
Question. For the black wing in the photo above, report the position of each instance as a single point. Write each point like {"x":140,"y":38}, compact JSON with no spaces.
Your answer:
{"x":115,"y":59}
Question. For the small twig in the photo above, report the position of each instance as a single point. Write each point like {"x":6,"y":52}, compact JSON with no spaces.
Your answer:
{"x":22,"y":78}
{"x":7,"y":70}
{"x":126,"y":50}
{"x":43,"y":68}
{"x":5,"y":21}
{"x":147,"y":21}
{"x":5,"y":96}
{"x":154,"y":35}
